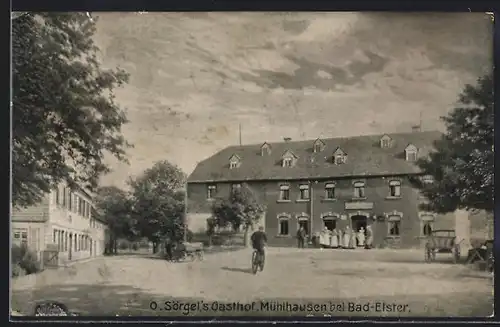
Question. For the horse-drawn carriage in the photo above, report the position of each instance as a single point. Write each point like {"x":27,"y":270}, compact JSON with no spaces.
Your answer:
{"x":442,"y":241}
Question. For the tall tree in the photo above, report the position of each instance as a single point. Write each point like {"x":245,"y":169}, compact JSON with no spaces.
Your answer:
{"x":159,"y":202}
{"x":241,"y":209}
{"x":114,"y":206}
{"x":63,"y":110}
{"x":462,"y":165}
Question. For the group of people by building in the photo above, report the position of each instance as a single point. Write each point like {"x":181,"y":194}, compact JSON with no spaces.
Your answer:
{"x":340,"y":238}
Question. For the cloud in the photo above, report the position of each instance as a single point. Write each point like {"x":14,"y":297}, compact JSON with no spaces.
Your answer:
{"x":196,"y":76}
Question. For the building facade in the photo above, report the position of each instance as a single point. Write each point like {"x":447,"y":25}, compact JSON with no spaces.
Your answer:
{"x":326,"y":183}
{"x":64,"y":220}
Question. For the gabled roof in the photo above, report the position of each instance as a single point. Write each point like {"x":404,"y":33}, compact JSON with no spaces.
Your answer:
{"x":339,"y":151}
{"x":411,"y":147}
{"x":385,"y":137}
{"x":366,"y":158}
{"x":288,"y":154}
{"x":234,"y":157}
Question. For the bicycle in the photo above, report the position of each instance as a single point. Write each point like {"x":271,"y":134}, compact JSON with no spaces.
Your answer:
{"x":257,"y":262}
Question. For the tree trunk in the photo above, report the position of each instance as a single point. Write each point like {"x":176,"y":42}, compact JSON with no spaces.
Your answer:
{"x":155,"y":247}
{"x":209,"y":240}
{"x":115,"y":246}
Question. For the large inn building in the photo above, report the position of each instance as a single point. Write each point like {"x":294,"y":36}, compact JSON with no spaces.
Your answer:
{"x":332,"y":183}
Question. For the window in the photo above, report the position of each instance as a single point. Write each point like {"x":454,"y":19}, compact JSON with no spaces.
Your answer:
{"x":17,"y":235}
{"x":285,"y":193}
{"x":359,"y":190}
{"x":287,"y":162}
{"x":235,"y":186}
{"x":330,"y":223}
{"x":54,"y":236}
{"x":330,"y":191}
{"x":64,"y":197}
{"x":394,"y":189}
{"x":265,"y":149}
{"x":70,"y":200}
{"x":211,"y":191}
{"x":411,"y":153}
{"x":385,"y":141}
{"x":427,"y":225}
{"x":233,"y":164}
{"x":317,"y":147}
{"x":339,"y":159}
{"x":394,"y":225}
{"x":304,"y":192}
{"x":56,"y":192}
{"x":283,"y":227}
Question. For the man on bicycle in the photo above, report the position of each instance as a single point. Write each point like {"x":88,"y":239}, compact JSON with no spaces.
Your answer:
{"x":259,"y":240}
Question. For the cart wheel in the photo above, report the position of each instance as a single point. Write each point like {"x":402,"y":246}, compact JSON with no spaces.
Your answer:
{"x":456,"y":254}
{"x":428,"y":253}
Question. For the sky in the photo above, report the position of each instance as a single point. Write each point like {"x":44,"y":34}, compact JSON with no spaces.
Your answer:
{"x":195,"y":77}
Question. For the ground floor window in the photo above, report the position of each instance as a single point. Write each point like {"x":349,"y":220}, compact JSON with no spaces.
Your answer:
{"x":283,"y":228}
{"x":394,"y":226}
{"x":427,"y":225}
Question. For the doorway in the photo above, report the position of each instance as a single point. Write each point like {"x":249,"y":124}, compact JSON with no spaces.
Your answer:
{"x":359,"y":222}
{"x":330,"y":223}
{"x":90,"y":247}
{"x":304,"y":223}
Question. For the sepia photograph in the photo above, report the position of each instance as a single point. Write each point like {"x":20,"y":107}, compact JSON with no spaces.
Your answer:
{"x":252,"y":164}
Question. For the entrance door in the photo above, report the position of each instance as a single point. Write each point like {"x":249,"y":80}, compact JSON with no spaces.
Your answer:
{"x":359,"y":222}
{"x":304,"y":223}
{"x":70,"y":246}
{"x":329,"y":223}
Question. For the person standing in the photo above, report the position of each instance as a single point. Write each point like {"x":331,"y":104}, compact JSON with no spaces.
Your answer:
{"x":301,"y":237}
{"x":334,"y":240}
{"x":347,"y":237}
{"x":369,"y":237}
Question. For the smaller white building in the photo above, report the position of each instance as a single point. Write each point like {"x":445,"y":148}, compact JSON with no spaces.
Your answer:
{"x":63,"y":219}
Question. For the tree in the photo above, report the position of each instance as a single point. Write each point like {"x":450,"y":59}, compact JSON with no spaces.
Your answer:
{"x":240,"y":209}
{"x":63,"y":111}
{"x":114,"y":206}
{"x":462,"y":165}
{"x":159,"y":202}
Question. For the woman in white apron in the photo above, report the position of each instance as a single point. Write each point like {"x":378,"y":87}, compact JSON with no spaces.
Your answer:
{"x":334,"y":239}
{"x":347,"y":237}
{"x":361,"y":237}
{"x":324,"y":239}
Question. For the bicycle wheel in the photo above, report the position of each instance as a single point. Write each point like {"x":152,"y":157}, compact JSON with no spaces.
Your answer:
{"x":255,"y":263}
{"x":261,"y":262}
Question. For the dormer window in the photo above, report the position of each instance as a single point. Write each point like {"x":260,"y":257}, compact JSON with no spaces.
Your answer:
{"x":411,"y":153}
{"x":339,"y":157}
{"x":385,"y":141}
{"x":288,"y":159}
{"x":265,"y":149}
{"x":234,"y":161}
{"x":318,"y":146}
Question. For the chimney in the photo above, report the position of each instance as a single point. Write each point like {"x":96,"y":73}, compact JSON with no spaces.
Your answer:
{"x":287,"y":139}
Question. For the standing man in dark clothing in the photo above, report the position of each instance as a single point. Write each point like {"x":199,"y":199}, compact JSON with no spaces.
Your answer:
{"x":301,"y":237}
{"x":259,"y":240}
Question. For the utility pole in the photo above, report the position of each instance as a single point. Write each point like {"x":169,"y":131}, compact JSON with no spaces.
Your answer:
{"x":239,"y":127}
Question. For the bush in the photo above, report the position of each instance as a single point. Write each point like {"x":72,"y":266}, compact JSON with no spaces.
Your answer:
{"x":123,"y":246}
{"x":26,"y":260}
{"x":18,"y":271}
{"x":135,"y":246}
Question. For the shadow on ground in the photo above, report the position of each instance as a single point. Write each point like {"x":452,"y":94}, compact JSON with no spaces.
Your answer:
{"x":241,"y":270}
{"x":111,"y":300}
